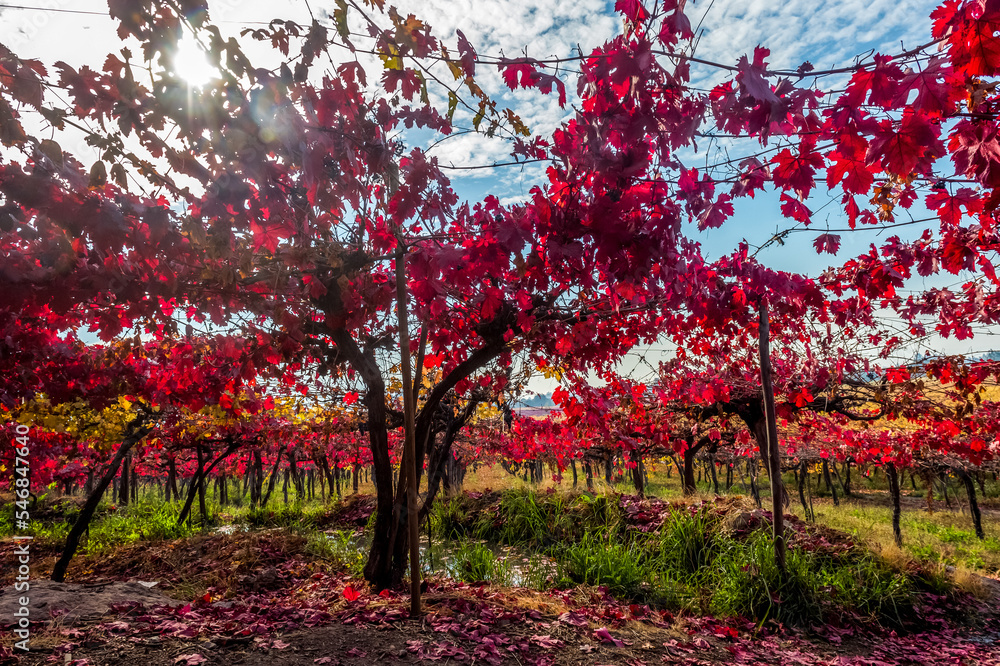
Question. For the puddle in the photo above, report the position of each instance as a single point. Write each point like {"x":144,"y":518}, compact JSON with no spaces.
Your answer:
{"x":459,"y":560}
{"x":231,"y":529}
{"x":984,"y":639}
{"x":506,"y":565}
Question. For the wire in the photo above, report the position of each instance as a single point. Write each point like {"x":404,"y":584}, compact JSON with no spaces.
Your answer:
{"x":56,"y":10}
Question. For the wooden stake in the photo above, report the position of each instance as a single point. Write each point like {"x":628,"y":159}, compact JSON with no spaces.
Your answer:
{"x":774,"y":461}
{"x":409,"y":442}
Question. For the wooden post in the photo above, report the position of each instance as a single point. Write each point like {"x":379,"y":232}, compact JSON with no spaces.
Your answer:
{"x":409,"y":428}
{"x":752,"y":474}
{"x":637,"y":479}
{"x":774,"y":461}
{"x":124,"y":484}
{"x":890,"y":472}
{"x":828,"y":480}
{"x":977,"y":516}
{"x":802,"y":475}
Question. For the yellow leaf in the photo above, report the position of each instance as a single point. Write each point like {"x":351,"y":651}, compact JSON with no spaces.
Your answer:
{"x":391,"y":58}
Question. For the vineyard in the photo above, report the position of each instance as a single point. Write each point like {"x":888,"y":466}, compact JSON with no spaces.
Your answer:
{"x":282,"y":383}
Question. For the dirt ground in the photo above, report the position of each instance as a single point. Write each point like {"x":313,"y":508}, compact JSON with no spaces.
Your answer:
{"x":272,"y":606}
{"x":467,"y":625}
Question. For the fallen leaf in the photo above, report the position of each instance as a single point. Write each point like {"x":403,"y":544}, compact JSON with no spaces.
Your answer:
{"x":190,"y":659}
{"x":605,"y":636}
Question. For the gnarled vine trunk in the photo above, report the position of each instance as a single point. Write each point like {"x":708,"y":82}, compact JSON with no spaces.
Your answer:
{"x":135,"y":431}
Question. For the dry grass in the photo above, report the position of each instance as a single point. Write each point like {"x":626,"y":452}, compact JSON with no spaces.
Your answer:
{"x":895,"y":556}
{"x":970,"y":582}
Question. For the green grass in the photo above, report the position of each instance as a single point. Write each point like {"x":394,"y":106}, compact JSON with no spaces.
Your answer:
{"x":299,"y":515}
{"x":686,"y":543}
{"x":525,"y":517}
{"x":598,"y":559}
{"x":474,"y":561}
{"x":560,"y":538}
{"x":691,"y":562}
{"x":145,"y":520}
{"x":944,"y":537}
{"x":745,"y":580}
{"x":148,"y":519}
{"x":340,"y":548}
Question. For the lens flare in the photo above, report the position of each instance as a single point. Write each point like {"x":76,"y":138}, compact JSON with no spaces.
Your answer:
{"x":191,"y":63}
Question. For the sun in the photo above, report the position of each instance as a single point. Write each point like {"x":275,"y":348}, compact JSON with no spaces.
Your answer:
{"x":191,"y":64}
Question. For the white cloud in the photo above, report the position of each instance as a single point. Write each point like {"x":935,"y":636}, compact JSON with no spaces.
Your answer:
{"x":513,"y":200}
{"x":828,"y":34}
{"x":470,"y":150}
{"x":539,"y":29}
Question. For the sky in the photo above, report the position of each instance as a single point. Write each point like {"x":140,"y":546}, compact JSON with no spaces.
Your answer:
{"x":828,"y":34}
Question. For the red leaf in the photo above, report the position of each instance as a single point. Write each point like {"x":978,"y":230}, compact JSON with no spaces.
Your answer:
{"x":563,"y":345}
{"x":945,"y":18}
{"x":795,"y":209}
{"x":518,"y":73}
{"x":467,"y":53}
{"x":934,"y":97}
{"x":751,"y":76}
{"x":849,"y":165}
{"x":407,"y":80}
{"x":267,"y":236}
{"x":190,"y":659}
{"x":351,"y":594}
{"x":633,"y":10}
{"x":852,"y":210}
{"x":605,"y":636}
{"x":716,"y":214}
{"x":573,"y":618}
{"x":828,"y":243}
{"x":795,"y":172}
{"x":545,"y":82}
{"x":975,"y":150}
{"x":674,"y":26}
{"x":975,"y":47}
{"x":949,"y":207}
{"x":899,"y":150}
{"x":882,"y":82}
